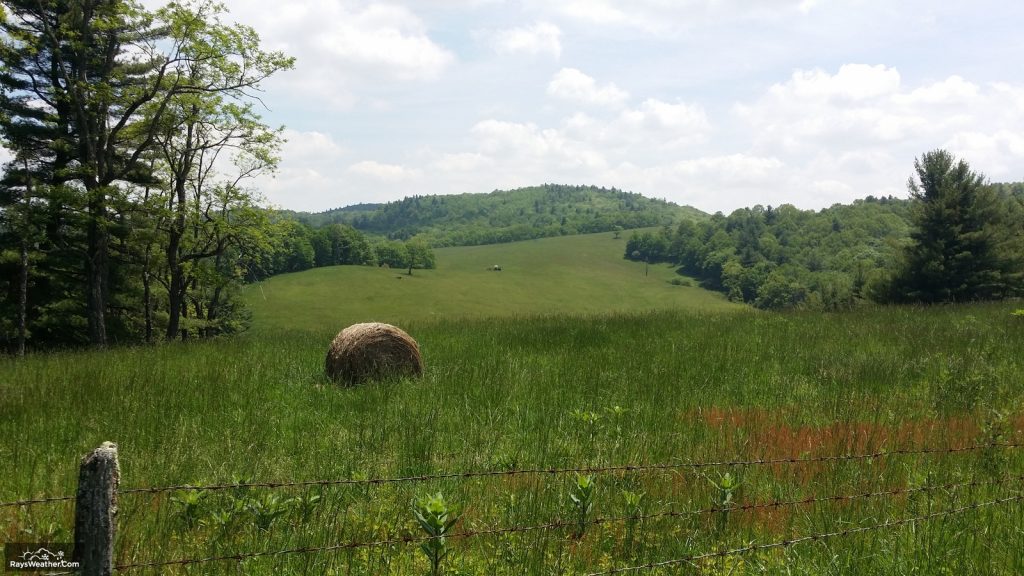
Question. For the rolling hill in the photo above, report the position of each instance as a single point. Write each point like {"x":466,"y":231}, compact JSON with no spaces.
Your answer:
{"x":583,"y":274}
{"x":506,"y":216}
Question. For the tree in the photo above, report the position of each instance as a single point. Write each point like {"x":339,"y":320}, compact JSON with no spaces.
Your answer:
{"x":85,"y":68}
{"x":113,"y":105}
{"x":94,"y":81}
{"x":206,"y":120}
{"x":346,"y":245}
{"x":392,"y":253}
{"x":960,"y":247}
{"x":17,"y":217}
{"x":420,"y":255}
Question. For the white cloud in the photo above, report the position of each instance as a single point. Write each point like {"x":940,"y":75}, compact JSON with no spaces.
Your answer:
{"x":317,"y":173}
{"x":574,"y":86}
{"x":687,"y":121}
{"x":853,"y":82}
{"x":594,"y":11}
{"x":384,"y":38}
{"x":813,"y":140}
{"x":857,"y":106}
{"x":534,"y":146}
{"x":807,"y":5}
{"x":1002,"y":149}
{"x":539,"y":38}
{"x":734,"y":168}
{"x":672,"y":16}
{"x":461,"y":162}
{"x":709,"y":182}
{"x":861,"y":127}
{"x":655,"y":125}
{"x":344,"y":49}
{"x":306,"y":178}
{"x":953,"y":90}
{"x":383,"y":171}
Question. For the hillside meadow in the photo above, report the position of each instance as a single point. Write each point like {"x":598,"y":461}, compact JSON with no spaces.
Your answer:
{"x":582,"y":274}
{"x":535,"y":388}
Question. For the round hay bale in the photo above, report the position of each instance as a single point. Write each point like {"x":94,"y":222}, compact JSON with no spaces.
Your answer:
{"x":372,"y":351}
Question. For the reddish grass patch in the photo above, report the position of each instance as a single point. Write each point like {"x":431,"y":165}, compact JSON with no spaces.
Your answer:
{"x":757,"y":433}
{"x":771,"y":435}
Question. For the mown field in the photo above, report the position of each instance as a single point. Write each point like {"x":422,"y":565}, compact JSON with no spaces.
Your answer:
{"x":583,"y":274}
{"x":517,"y":392}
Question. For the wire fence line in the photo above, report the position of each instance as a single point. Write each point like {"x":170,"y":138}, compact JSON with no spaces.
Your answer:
{"x":810,"y":538}
{"x":559,"y":524}
{"x":33,"y":501}
{"x":538,"y":471}
{"x":575,"y":470}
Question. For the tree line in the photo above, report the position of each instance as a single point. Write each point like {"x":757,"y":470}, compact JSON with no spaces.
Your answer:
{"x":133,"y":133}
{"x":300,"y":246}
{"x":956,"y":239}
{"x":125,"y":213}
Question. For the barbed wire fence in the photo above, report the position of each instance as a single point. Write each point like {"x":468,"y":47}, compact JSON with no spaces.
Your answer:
{"x":809,"y":538}
{"x":557,"y":524}
{"x":553,"y":471}
{"x":561,"y":524}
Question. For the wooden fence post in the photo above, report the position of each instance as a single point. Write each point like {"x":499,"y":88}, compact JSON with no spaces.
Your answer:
{"x":96,"y":510}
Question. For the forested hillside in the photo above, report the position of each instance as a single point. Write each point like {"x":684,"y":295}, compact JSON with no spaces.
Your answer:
{"x":783,"y":257}
{"x":506,"y":216}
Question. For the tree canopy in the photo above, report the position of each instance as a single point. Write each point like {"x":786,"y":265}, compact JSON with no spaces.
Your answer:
{"x":956,"y":238}
{"x":783,"y":257}
{"x":507,"y":216}
{"x":116,"y":116}
{"x":965,"y":244}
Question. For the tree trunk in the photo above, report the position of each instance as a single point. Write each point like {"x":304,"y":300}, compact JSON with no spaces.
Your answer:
{"x":147,"y":300}
{"x":176,"y":289}
{"x":213,"y":305}
{"x":184,"y":314}
{"x":23,"y":300}
{"x":175,"y":296}
{"x":23,"y":280}
{"x":147,"y":276}
{"x":201,"y":331}
{"x":97,"y":271}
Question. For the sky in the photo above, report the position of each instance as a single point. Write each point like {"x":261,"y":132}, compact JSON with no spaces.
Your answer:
{"x":718,"y":104}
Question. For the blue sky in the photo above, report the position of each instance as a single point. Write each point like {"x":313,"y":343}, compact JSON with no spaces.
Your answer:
{"x":715,"y":103}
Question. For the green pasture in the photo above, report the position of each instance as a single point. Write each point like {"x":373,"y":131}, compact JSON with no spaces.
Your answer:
{"x":567,"y":275}
{"x":554,"y":391}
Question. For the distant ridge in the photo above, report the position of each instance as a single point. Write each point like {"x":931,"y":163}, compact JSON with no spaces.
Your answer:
{"x":506,"y":215}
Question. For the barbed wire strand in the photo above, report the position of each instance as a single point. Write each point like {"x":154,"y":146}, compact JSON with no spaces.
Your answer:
{"x":577,"y":470}
{"x":535,"y":471}
{"x":810,"y":538}
{"x":563,"y":524}
{"x":33,"y":501}
{"x":822,"y":499}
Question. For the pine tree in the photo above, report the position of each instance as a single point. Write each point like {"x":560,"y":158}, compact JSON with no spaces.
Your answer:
{"x":88,"y":90}
{"x":960,"y":250}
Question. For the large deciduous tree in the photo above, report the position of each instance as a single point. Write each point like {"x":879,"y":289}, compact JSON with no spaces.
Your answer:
{"x":204,"y":132}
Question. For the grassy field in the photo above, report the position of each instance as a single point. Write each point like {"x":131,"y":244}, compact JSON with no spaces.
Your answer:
{"x":538,"y":392}
{"x":566,"y":275}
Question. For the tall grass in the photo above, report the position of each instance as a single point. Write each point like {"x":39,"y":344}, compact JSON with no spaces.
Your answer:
{"x":543,"y":391}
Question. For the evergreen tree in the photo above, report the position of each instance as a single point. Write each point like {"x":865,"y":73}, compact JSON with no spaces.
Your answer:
{"x":960,"y":247}
{"x":112,"y":111}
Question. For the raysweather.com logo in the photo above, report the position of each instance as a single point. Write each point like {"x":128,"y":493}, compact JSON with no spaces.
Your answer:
{"x":25,"y":557}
